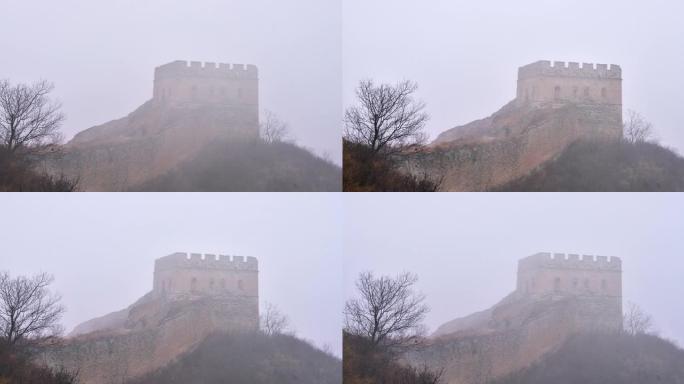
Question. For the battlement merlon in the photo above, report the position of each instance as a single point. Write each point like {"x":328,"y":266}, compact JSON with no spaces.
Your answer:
{"x":547,"y":68}
{"x":570,"y":261}
{"x":181,"y":260}
{"x":194,"y":69}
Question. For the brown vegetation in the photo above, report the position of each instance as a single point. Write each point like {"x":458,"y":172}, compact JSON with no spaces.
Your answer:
{"x":364,"y":363}
{"x":17,"y":174}
{"x":16,"y":368}
{"x":366,"y":171}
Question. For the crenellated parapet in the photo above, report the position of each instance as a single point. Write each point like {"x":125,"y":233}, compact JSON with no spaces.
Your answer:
{"x":181,"y":260}
{"x":196,"y":84}
{"x":575,"y":275}
{"x":198,"y":69}
{"x":571,"y":261}
{"x":571,"y":69}
{"x":182,"y":275}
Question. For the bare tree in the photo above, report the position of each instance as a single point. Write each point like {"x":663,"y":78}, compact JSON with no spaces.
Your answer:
{"x":273,"y":322}
{"x":28,"y":311}
{"x":27,"y":116}
{"x":273,"y":129}
{"x":387,"y":117}
{"x":637,"y":129}
{"x":388,"y":311}
{"x":636,"y":321}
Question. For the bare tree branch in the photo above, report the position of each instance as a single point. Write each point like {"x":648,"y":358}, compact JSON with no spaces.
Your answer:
{"x":388,"y":311}
{"x":273,"y":322}
{"x":636,"y":321}
{"x":27,"y":116}
{"x":387,"y":117}
{"x":273,"y":129}
{"x":28,"y":311}
{"x":636,"y":129}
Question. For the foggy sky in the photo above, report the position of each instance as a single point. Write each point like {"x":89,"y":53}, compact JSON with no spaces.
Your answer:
{"x":101,"y":248}
{"x":101,"y":54}
{"x":465,"y":54}
{"x":465,"y":247}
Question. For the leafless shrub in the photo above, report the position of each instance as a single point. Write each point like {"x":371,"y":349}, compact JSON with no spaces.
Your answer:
{"x":273,"y":129}
{"x":272,"y":321}
{"x":637,"y":129}
{"x":636,"y":321}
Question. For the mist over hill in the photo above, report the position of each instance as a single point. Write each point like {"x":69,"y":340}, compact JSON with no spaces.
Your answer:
{"x":606,"y":166}
{"x":257,"y":166}
{"x":252,"y":358}
{"x":606,"y":359}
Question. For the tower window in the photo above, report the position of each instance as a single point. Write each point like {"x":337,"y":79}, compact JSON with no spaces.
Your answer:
{"x":223,"y":283}
{"x":586,"y":283}
{"x":604,"y":93}
{"x":586,"y":92}
{"x":557,"y":284}
{"x":241,"y":286}
{"x":603,"y":285}
{"x":211,"y":284}
{"x":193,"y":284}
{"x":557,"y":92}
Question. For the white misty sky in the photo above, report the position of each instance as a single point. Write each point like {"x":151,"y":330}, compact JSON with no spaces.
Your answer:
{"x":101,"y":248}
{"x":101,"y":54}
{"x":465,"y":54}
{"x":465,"y":247}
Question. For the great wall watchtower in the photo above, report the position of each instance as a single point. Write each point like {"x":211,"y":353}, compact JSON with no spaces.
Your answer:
{"x":546,"y":81}
{"x":593,"y":87}
{"x":182,"y":275}
{"x":595,"y":283}
{"x":181,"y":82}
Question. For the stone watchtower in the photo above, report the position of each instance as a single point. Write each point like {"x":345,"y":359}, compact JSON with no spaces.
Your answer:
{"x":594,"y":284}
{"x":224,"y":92}
{"x":182,"y":275}
{"x":594,"y":89}
{"x":182,"y":82}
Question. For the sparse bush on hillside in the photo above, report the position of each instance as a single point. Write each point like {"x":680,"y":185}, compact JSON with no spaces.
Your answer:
{"x":254,"y":358}
{"x":258,"y":166}
{"x":606,"y":359}
{"x":366,"y":171}
{"x":16,"y":368}
{"x":607,"y":166}
{"x":364,"y":363}
{"x":17,"y":174}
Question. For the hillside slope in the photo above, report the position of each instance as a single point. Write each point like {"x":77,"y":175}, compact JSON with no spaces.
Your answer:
{"x":606,"y":166}
{"x":258,"y":166}
{"x":606,"y":359}
{"x":250,"y":359}
{"x":161,"y":147}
